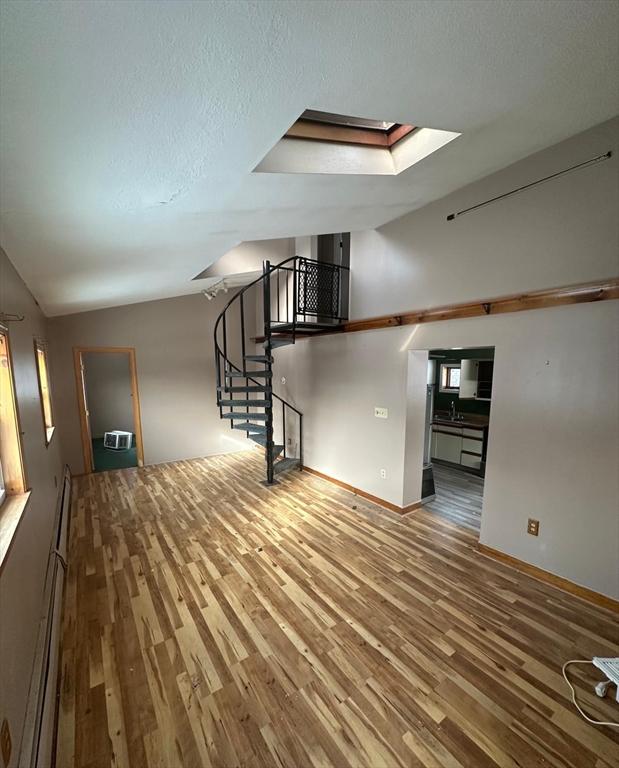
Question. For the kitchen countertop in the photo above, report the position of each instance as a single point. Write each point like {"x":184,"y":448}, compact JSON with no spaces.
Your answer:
{"x":471,"y":420}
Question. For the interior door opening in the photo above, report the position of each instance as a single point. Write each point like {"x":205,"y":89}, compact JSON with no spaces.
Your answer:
{"x":458,"y":399}
{"x":109,"y":408}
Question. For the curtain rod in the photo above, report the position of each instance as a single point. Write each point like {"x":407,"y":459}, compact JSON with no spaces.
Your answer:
{"x":593,"y":160}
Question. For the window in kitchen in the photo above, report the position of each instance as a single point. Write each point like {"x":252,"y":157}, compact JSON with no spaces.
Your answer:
{"x":450,"y":377}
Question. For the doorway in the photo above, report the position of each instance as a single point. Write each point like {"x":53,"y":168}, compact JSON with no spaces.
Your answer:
{"x":458,"y":399}
{"x":109,"y":408}
{"x":461,"y":380}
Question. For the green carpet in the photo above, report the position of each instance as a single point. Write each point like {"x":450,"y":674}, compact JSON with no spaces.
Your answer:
{"x":106,"y":458}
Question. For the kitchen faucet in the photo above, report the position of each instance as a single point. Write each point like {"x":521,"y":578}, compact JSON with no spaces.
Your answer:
{"x":452,"y":410}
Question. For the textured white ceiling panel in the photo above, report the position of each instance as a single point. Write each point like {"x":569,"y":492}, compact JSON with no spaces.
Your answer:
{"x":129,"y":130}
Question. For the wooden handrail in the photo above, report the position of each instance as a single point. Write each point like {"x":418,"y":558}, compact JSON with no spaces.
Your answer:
{"x":598,"y":290}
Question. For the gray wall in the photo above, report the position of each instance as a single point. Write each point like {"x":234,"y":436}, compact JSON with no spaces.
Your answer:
{"x":558,"y":233}
{"x":23,"y":573}
{"x":553,"y":448}
{"x":173,"y":341}
{"x":248,"y":257}
{"x":108,"y":390}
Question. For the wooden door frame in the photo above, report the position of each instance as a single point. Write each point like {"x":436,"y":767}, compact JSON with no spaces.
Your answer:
{"x":81,"y":404}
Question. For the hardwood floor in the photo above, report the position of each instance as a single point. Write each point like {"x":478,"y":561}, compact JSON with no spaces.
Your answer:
{"x":211,"y":621}
{"x":458,"y":496}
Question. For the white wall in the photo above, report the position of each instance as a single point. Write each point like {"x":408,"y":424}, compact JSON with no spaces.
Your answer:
{"x":108,"y":391}
{"x":553,"y":431}
{"x":23,"y":572}
{"x":248,"y":257}
{"x":173,"y":340}
{"x":561,"y":232}
{"x":553,"y":450}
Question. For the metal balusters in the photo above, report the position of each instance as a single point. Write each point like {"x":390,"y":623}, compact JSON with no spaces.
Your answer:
{"x":317,"y":300}
{"x":267,"y":337}
{"x":243,"y":333}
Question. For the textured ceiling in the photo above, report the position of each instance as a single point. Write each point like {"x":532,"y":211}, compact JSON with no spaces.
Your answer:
{"x":129,"y":130}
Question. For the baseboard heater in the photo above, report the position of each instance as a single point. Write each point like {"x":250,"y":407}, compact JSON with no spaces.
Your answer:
{"x":39,"y":736}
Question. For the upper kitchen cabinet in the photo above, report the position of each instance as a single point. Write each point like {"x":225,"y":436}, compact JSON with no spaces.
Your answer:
{"x":485,"y":371}
{"x":476,"y":379}
{"x":468,"y":379}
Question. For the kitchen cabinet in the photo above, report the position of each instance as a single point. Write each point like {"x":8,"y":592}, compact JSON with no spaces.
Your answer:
{"x":472,"y":462}
{"x":468,"y":379}
{"x":447,"y":443}
{"x":485,"y":373}
{"x":463,"y":446}
{"x":476,"y":379}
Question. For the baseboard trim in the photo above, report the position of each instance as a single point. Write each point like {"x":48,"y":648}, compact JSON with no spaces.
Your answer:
{"x":358,"y":492}
{"x":540,"y":574}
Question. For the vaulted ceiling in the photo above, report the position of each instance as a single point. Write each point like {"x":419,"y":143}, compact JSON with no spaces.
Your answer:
{"x":129,"y":130}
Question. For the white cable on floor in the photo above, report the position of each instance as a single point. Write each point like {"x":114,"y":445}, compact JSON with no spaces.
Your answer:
{"x":587,"y":718}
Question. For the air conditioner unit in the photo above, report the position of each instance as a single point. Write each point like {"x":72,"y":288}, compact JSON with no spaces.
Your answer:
{"x":118,"y":440}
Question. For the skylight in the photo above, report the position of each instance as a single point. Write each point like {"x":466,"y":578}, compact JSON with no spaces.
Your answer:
{"x":327,"y":143}
{"x":354,"y":122}
{"x":344,"y":129}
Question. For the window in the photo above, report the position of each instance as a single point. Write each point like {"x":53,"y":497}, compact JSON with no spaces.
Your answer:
{"x":12,"y":476}
{"x":40,"y":351}
{"x":450,"y":377}
{"x":326,"y":126}
{"x":327,"y":143}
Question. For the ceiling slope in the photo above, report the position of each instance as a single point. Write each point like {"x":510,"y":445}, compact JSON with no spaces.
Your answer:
{"x":129,"y":131}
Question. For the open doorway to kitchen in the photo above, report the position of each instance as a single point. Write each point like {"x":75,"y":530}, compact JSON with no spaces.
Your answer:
{"x":109,"y":408}
{"x":456,"y":427}
{"x":460,"y":389}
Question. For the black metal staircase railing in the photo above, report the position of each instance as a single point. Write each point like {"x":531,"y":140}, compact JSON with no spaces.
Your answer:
{"x":298,"y":296}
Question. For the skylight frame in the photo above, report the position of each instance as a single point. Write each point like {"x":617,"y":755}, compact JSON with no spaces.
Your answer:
{"x":313,"y":125}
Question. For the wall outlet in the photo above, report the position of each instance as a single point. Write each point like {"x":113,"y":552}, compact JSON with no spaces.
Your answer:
{"x":533,"y":527}
{"x":383,"y":474}
{"x":381,"y":413}
{"x":5,"y":741}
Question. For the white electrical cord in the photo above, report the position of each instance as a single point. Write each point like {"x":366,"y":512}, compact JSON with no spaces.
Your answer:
{"x":587,"y":718}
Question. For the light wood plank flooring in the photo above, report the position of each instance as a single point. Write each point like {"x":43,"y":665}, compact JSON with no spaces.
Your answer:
{"x":458,"y":496}
{"x":211,"y":621}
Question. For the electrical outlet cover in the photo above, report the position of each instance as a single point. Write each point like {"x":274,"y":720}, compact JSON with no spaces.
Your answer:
{"x":381,"y":413}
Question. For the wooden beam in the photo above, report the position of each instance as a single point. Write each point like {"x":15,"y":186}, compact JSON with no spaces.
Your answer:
{"x":599,"y":290}
{"x":583,"y":293}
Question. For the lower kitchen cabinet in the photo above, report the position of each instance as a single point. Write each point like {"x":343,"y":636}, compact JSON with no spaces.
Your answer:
{"x":447,"y":444}
{"x":470,"y":460}
{"x":458,"y":445}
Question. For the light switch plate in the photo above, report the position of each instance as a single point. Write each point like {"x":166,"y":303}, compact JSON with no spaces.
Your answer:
{"x":381,"y":413}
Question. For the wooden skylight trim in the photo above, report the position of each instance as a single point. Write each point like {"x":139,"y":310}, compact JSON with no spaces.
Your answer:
{"x":340,"y":131}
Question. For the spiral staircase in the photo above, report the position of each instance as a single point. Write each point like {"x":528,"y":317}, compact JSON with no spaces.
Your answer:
{"x":299,"y":297}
